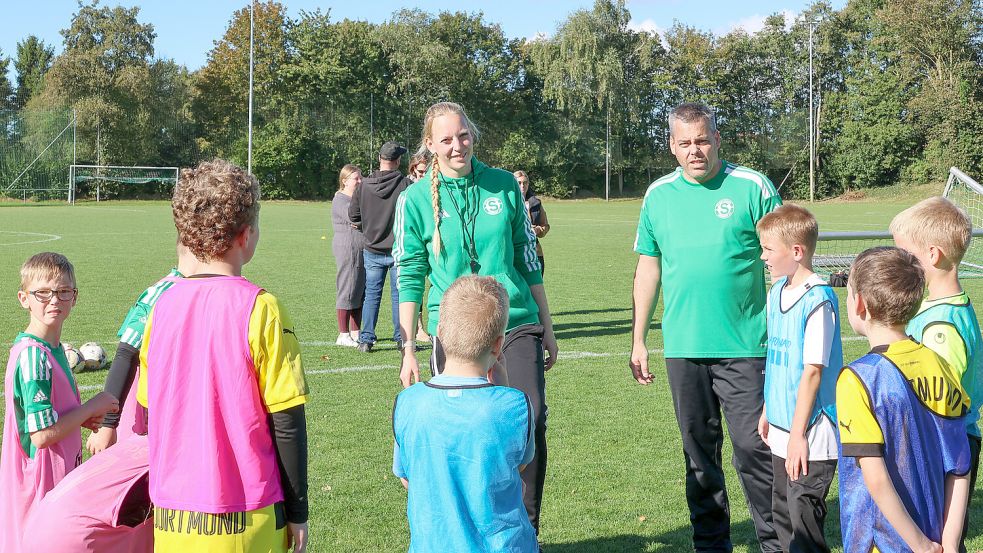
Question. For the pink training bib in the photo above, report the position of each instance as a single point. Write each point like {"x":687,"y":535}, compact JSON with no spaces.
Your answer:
{"x":25,"y":481}
{"x":211,"y":449}
{"x":83,"y":513}
{"x":133,"y":417}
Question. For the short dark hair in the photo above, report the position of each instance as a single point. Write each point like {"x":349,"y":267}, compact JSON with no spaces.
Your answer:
{"x":691,"y":112}
{"x":891,"y":282}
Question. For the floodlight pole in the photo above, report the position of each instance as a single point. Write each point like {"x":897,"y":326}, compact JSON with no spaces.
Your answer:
{"x":812,"y":132}
{"x":249,"y":141}
{"x":71,"y":173}
{"x":607,"y":156}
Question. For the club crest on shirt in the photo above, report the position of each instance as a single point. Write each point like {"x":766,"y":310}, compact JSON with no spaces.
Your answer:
{"x":492,"y":206}
{"x":724,"y":208}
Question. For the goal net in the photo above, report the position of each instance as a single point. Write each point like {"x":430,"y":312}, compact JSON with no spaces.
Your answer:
{"x":965,"y":192}
{"x":836,"y":250}
{"x":101,"y":180}
{"x":35,"y":148}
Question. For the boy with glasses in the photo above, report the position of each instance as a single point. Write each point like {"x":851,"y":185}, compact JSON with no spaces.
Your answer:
{"x":42,"y":440}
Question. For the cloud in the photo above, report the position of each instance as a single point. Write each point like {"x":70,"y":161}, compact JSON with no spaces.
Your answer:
{"x":647,"y":25}
{"x":755,"y":23}
{"x":540,"y":35}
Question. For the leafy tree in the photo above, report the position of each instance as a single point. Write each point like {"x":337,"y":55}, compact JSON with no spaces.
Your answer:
{"x":221,"y":88}
{"x":6,"y":92}
{"x":32,"y":62}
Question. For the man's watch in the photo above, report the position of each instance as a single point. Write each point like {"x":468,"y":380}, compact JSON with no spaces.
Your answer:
{"x":408,"y":344}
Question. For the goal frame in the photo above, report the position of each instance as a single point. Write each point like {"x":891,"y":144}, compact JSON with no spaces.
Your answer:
{"x":74,"y":167}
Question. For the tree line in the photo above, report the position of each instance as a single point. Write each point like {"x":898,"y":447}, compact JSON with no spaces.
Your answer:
{"x":897,"y":85}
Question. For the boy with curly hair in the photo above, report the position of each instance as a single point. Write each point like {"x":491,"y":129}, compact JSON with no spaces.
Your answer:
{"x":224,"y":386}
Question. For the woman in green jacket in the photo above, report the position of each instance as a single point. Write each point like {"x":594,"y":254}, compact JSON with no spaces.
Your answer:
{"x":464,"y":217}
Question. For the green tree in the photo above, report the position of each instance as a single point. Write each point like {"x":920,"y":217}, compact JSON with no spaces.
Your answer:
{"x":32,"y":62}
{"x":6,"y":92}
{"x":220,"y":91}
{"x":938,"y":51}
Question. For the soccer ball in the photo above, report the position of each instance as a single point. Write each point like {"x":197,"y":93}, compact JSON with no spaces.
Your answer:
{"x":74,"y":358}
{"x":93,"y":356}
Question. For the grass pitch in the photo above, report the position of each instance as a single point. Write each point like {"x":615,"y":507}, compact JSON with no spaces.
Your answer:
{"x":616,"y":475}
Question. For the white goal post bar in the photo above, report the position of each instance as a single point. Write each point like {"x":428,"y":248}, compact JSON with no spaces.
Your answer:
{"x":955,"y":174}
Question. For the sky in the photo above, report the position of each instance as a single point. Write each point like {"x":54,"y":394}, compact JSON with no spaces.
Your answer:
{"x":186,"y":29}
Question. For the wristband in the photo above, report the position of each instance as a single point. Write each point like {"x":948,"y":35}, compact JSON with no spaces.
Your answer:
{"x":409,"y":344}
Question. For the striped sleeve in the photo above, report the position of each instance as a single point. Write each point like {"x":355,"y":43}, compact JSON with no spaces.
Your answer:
{"x":131,"y":332}
{"x":34,"y":389}
{"x":409,"y":248}
{"x":524,"y":241}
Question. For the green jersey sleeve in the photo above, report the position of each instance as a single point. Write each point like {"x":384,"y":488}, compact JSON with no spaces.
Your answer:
{"x":32,"y":392}
{"x":645,"y":242}
{"x":524,"y":242}
{"x":410,"y":249}
{"x":131,"y":331}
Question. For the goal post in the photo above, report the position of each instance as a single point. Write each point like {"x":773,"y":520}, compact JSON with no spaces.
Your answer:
{"x":102,"y":176}
{"x":965,"y":192}
{"x":836,"y":250}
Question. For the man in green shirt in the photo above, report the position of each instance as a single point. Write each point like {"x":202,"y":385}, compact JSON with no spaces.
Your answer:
{"x":697,"y":240}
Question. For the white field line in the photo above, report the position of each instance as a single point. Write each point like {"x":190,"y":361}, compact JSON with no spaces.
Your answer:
{"x":107,"y":208}
{"x":42,"y":237}
{"x":564,"y":355}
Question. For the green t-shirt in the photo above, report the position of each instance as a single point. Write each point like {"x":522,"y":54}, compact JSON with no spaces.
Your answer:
{"x":32,"y":390}
{"x":131,"y":331}
{"x":713,"y":279}
{"x":495,"y":224}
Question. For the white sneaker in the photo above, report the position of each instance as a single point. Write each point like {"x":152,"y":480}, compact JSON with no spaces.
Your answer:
{"x":344,"y":339}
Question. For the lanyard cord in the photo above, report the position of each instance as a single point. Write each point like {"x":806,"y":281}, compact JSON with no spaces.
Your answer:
{"x":470,"y":212}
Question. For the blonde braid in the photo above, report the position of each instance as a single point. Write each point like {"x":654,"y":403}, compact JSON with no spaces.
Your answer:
{"x":435,"y":197}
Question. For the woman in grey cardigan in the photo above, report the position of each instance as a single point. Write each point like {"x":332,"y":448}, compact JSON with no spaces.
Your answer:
{"x":346,"y":245}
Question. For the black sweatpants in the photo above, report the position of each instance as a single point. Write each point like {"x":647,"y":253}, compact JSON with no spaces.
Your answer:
{"x":524,"y":361}
{"x":700,"y":389}
{"x":799,"y":507}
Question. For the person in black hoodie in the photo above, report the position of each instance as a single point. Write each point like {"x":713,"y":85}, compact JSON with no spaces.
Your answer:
{"x":373,"y":208}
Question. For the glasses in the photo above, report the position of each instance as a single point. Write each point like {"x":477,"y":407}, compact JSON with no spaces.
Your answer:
{"x":44,"y":296}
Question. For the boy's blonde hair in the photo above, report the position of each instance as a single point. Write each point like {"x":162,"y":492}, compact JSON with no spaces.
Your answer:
{"x":936,"y":222}
{"x":473,"y":314}
{"x":46,"y":266}
{"x":891,"y":282}
{"x":792,"y":225}
{"x":212,"y":204}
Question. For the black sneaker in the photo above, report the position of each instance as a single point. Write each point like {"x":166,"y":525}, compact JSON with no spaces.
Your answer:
{"x":365,"y":347}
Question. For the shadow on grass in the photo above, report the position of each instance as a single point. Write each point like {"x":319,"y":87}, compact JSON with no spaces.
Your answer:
{"x":976,"y":514}
{"x":591,"y":311}
{"x":593,"y":329}
{"x":619,"y":544}
{"x":679,"y":539}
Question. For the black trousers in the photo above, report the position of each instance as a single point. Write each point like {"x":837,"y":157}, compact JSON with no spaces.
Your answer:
{"x":974,"y":450}
{"x":524,"y":361}
{"x":701,"y":388}
{"x":799,"y":507}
